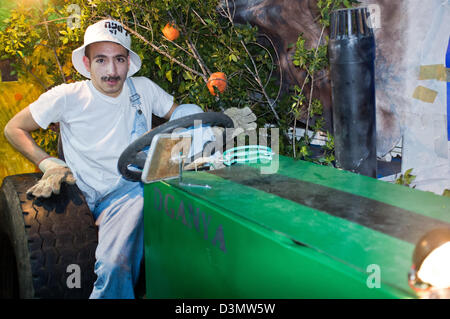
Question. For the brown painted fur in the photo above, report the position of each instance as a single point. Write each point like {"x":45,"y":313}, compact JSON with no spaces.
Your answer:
{"x":283,"y":20}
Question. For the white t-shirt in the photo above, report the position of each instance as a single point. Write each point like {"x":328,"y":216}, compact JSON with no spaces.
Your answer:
{"x":96,"y":128}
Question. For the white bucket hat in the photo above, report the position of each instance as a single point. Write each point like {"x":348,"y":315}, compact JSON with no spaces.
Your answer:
{"x":105,"y":30}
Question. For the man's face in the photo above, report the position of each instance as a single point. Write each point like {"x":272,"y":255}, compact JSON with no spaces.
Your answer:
{"x":108,"y":63}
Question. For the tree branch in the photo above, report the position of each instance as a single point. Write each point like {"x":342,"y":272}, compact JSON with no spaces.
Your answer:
{"x":157,"y":49}
{"x":45,"y":87}
{"x":226,"y":13}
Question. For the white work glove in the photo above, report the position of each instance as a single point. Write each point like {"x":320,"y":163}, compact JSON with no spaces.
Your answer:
{"x":243,"y":119}
{"x":55,"y":172}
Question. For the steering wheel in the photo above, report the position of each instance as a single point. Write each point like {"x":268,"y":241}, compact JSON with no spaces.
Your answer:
{"x":133,"y":154}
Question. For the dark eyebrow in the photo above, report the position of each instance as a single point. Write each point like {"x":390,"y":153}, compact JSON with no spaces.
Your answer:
{"x":99,"y":56}
{"x":104,"y":56}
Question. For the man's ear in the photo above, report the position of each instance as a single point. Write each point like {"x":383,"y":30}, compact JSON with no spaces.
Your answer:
{"x":87,"y":63}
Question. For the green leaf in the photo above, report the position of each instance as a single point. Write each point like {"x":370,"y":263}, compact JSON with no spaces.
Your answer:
{"x":187,"y":75}
{"x":182,"y":87}
{"x":158,"y":61}
{"x":169,"y":76}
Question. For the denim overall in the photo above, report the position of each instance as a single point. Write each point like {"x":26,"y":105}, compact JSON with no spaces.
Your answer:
{"x":120,"y":238}
{"x":121,"y":229}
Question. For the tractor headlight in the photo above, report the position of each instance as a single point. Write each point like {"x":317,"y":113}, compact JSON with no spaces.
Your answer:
{"x":430,"y":273}
{"x":435,"y":269}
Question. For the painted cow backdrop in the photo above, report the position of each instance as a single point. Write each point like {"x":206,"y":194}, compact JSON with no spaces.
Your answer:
{"x":284,"y":20}
{"x":408,"y":33}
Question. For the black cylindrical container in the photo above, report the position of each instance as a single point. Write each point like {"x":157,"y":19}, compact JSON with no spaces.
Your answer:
{"x":352,"y":71}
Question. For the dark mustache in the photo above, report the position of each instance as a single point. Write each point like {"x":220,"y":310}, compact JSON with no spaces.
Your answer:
{"x":110,"y":78}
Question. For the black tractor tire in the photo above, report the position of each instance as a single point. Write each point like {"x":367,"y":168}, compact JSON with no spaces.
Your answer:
{"x":45,"y":243}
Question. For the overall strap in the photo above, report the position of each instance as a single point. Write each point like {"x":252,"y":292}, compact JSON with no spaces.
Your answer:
{"x":140,"y":124}
{"x":135,"y":98}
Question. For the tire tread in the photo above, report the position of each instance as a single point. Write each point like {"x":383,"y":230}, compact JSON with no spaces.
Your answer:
{"x":60,"y":231}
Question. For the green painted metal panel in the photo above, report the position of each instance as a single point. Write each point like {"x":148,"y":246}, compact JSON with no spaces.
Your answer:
{"x":254,"y":236}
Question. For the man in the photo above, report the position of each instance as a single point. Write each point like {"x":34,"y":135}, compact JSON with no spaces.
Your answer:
{"x":98,"y":121}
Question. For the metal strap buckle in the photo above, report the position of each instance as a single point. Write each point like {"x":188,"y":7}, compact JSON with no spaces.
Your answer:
{"x":135,"y":98}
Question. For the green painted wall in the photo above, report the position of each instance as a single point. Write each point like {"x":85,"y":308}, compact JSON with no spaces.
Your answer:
{"x":5,"y":9}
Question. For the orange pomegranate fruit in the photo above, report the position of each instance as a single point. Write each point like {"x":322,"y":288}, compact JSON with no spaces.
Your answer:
{"x":218,"y":80}
{"x":18,"y":96}
{"x":170,"y":32}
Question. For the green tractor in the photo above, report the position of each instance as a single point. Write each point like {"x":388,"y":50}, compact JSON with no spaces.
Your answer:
{"x":279,"y":228}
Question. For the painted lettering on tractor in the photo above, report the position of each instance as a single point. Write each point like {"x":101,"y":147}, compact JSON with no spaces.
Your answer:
{"x":190,"y":216}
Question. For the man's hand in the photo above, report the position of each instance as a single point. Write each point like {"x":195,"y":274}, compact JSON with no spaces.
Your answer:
{"x":55,"y":172}
{"x":243,"y":119}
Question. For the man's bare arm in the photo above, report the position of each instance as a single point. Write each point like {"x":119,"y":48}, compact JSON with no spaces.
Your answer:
{"x":17,"y":132}
{"x":169,"y":114}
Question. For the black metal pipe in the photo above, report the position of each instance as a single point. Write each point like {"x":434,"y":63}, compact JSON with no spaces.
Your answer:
{"x":352,"y":72}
